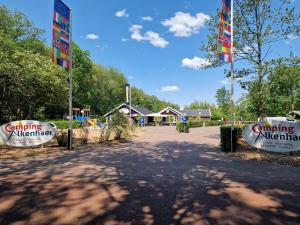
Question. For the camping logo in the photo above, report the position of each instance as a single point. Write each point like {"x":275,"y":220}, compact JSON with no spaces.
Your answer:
{"x":277,"y":136}
{"x":26,"y":133}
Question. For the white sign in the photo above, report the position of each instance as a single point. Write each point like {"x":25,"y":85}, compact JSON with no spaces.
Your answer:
{"x":275,"y":136}
{"x":25,"y":133}
{"x":124,"y":110}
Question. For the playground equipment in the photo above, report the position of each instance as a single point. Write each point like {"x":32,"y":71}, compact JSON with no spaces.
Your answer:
{"x":84,"y":116}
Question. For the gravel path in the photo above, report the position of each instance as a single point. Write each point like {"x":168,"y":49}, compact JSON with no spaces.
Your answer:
{"x":161,"y":177}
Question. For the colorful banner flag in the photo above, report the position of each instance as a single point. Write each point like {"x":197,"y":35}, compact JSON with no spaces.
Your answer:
{"x":61,"y":34}
{"x":224,"y":33}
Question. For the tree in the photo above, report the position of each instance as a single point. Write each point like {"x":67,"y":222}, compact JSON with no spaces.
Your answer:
{"x":199,"y":105}
{"x":258,"y":23}
{"x":283,"y":88}
{"x":223,"y":101}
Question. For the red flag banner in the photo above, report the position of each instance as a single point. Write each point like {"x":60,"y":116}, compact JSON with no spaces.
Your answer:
{"x":224,"y":33}
{"x":61,"y":34}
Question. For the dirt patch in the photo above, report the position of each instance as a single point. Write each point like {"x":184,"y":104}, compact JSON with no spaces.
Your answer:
{"x":245,"y":151}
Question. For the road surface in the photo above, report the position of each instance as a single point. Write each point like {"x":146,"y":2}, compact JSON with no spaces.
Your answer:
{"x":161,"y":177}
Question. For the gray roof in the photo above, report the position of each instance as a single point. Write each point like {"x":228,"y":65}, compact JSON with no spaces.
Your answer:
{"x":142,"y":110}
{"x":196,"y":112}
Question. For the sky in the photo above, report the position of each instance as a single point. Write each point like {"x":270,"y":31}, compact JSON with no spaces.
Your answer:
{"x":156,"y":43}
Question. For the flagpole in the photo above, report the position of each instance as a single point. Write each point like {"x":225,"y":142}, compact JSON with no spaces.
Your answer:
{"x":232,"y":81}
{"x":70,"y":130}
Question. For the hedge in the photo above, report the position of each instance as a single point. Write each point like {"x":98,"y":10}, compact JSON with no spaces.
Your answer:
{"x":182,"y":127}
{"x":194,"y":124}
{"x":225,"y":133}
{"x":64,"y":124}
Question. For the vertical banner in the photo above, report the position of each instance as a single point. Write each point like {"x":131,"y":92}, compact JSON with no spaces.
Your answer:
{"x":61,"y":34}
{"x":224,"y":44}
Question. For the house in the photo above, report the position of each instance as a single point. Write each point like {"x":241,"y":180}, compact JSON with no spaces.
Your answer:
{"x":201,"y":114}
{"x":136,"y":112}
{"x":167,"y":115}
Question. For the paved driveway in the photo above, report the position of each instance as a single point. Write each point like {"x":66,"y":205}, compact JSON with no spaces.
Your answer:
{"x":162,"y":177}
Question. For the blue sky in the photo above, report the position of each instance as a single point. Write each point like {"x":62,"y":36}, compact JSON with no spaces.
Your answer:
{"x":147,"y":41}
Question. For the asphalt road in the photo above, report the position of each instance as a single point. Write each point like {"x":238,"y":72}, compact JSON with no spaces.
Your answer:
{"x":161,"y":177}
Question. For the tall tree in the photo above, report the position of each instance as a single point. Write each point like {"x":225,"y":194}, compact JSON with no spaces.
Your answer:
{"x":257,"y":24}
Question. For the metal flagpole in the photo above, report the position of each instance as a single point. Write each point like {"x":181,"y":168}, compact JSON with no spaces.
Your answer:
{"x":70,"y":130}
{"x":232,"y":81}
{"x":130,"y":103}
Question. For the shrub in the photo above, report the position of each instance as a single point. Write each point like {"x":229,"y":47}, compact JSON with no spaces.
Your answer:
{"x":157,"y":120}
{"x":119,"y":124}
{"x":182,"y":127}
{"x":105,"y":134}
{"x":210,"y":123}
{"x":84,"y":134}
{"x":62,"y":138}
{"x":225,"y":132}
{"x":194,"y":124}
{"x":64,"y":124}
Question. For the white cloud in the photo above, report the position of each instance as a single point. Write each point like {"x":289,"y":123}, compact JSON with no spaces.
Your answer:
{"x":147,"y":18}
{"x":136,"y":29}
{"x":155,"y":39}
{"x":224,"y":82}
{"x":150,"y":36}
{"x":121,"y":13}
{"x":124,"y":39}
{"x":184,"y":25}
{"x":195,"y":63}
{"x":91,"y":36}
{"x":292,"y":37}
{"x":169,"y":89}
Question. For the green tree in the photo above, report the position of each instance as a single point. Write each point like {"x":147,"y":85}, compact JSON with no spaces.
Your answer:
{"x":199,"y":105}
{"x":258,"y":24}
{"x":223,"y":101}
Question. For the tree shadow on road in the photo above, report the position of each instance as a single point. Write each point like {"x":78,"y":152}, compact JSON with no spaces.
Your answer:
{"x":140,"y":183}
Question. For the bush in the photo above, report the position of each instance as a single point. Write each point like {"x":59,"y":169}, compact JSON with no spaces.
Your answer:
{"x":182,"y":127}
{"x":120,"y":125}
{"x":62,"y":138}
{"x":84,"y":135}
{"x":210,"y":123}
{"x":64,"y":124}
{"x":225,"y":133}
{"x":105,"y":134}
{"x":194,"y":124}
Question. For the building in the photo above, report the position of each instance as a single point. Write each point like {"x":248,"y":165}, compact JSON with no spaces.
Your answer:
{"x":201,"y":114}
{"x":168,"y":116}
{"x":136,"y":112}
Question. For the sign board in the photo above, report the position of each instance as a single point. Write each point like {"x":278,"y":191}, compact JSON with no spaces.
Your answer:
{"x":124,"y":111}
{"x":26,"y":133}
{"x":275,"y":136}
{"x":183,"y":119}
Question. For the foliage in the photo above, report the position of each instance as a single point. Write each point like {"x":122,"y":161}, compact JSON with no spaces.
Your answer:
{"x":84,"y":135}
{"x":211,"y":123}
{"x":223,"y":101}
{"x":225,"y":135}
{"x":31,"y":86}
{"x":119,"y":125}
{"x":105,"y":134}
{"x":194,"y":124}
{"x":62,"y":138}
{"x":64,"y":124}
{"x":183,"y":127}
{"x":260,"y":23}
{"x":157,"y":119}
{"x":199,"y":105}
